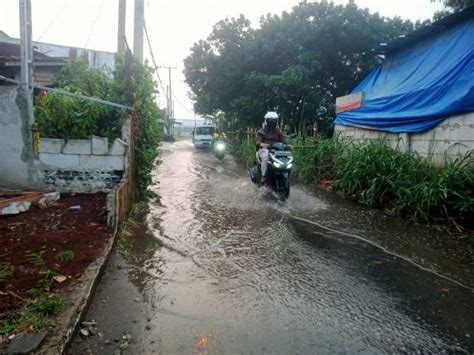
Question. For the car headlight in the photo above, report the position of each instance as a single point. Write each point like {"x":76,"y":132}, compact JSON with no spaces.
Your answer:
{"x":289,"y":166}
{"x":277,"y":165}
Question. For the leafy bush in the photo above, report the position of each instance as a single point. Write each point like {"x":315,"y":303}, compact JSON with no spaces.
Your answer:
{"x":136,"y":87}
{"x":60,"y":116}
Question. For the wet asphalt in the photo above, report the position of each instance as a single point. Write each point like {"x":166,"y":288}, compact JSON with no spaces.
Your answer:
{"x":219,"y":267}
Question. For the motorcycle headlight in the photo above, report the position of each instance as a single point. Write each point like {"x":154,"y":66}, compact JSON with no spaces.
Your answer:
{"x":220,"y":146}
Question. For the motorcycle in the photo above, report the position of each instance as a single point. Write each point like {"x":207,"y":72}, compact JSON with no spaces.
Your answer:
{"x":219,"y":147}
{"x":280,"y":163}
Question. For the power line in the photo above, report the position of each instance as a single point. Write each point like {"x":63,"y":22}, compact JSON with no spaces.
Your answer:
{"x":182,"y":106}
{"x":153,"y":57}
{"x":94,"y":23}
{"x":52,"y":21}
{"x":71,"y":94}
{"x":156,"y":70}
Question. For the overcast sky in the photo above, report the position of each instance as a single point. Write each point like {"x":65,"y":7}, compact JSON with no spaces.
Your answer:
{"x":173,"y":25}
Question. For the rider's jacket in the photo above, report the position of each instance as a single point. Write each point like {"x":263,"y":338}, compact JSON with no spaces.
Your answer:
{"x":269,"y":136}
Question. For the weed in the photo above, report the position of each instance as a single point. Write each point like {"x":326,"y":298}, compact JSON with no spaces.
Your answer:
{"x":46,"y":304}
{"x":4,"y":271}
{"x":65,"y":255}
{"x":7,"y":326}
{"x":35,"y":314}
{"x":35,"y":258}
{"x":48,"y":277}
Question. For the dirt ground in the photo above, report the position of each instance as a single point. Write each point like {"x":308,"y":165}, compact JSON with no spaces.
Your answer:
{"x":31,"y":241}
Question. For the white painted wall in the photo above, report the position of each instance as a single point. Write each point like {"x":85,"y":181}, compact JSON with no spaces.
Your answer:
{"x":451,"y":139}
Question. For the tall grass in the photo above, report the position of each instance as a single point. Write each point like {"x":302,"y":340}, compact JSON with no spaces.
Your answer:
{"x":379,"y":176}
{"x":245,"y":153}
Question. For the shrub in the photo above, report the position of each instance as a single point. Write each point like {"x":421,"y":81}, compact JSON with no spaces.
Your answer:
{"x":60,"y":116}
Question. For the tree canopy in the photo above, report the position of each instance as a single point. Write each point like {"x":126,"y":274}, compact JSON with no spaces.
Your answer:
{"x":296,"y":63}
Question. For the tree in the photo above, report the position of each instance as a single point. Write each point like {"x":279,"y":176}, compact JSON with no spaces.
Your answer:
{"x":296,"y":63}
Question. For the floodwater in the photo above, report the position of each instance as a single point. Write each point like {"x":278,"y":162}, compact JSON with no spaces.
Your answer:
{"x":218,"y":267}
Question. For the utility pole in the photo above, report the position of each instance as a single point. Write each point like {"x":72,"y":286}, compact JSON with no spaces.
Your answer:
{"x":169,"y":101}
{"x":121,"y":26}
{"x":169,"y":92}
{"x":26,"y":92}
{"x":26,"y":50}
{"x":138,"y":30}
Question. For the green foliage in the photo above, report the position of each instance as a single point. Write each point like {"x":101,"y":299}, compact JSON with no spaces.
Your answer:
{"x":7,"y":326}
{"x":137,"y":88}
{"x":245,"y":153}
{"x":46,"y":304}
{"x":60,"y":116}
{"x":65,"y":255}
{"x":35,"y":314}
{"x":4,"y":271}
{"x":379,"y":176}
{"x":46,"y":282}
{"x":35,"y":258}
{"x":296,"y":63}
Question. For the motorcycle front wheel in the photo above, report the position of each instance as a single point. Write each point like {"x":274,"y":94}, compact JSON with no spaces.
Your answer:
{"x":283,"y":187}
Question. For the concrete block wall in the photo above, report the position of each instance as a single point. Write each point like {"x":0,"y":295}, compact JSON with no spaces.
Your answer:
{"x":80,"y":165}
{"x":451,"y":139}
{"x":72,"y":166}
{"x":15,"y":130}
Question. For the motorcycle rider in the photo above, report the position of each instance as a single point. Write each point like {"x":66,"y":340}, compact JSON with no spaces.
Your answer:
{"x":268,"y":135}
{"x":218,"y":134}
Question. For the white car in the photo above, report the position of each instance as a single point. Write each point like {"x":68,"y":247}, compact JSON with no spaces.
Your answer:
{"x":202,"y":136}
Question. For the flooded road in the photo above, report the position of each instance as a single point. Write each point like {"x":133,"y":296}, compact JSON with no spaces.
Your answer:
{"x":216,"y":267}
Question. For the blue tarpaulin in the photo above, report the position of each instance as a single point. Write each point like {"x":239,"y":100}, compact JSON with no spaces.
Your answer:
{"x":419,"y":86}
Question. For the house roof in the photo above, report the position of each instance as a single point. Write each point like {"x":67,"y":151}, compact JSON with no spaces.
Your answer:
{"x":425,"y":31}
{"x":11,"y":52}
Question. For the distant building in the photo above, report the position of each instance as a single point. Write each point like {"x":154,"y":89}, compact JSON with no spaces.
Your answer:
{"x":185,"y":126}
{"x":421,"y":98}
{"x":48,"y":59}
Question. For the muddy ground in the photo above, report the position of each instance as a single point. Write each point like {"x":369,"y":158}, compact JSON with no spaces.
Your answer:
{"x":30,"y":243}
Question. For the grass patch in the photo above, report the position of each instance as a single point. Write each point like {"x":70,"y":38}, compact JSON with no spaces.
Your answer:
{"x":245,"y":153}
{"x":65,"y":255}
{"x":36,"y":313}
{"x":124,"y":242}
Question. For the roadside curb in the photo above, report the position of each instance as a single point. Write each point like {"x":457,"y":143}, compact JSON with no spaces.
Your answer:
{"x":80,"y":298}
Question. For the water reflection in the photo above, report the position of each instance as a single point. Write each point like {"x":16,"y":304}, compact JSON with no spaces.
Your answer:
{"x":228,"y":271}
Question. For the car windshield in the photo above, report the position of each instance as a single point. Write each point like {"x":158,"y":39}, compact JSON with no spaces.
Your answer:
{"x":204,"y":131}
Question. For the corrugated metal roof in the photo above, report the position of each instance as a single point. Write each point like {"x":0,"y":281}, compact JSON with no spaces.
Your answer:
{"x":426,"y":31}
{"x":102,"y":60}
{"x":10,"y":51}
